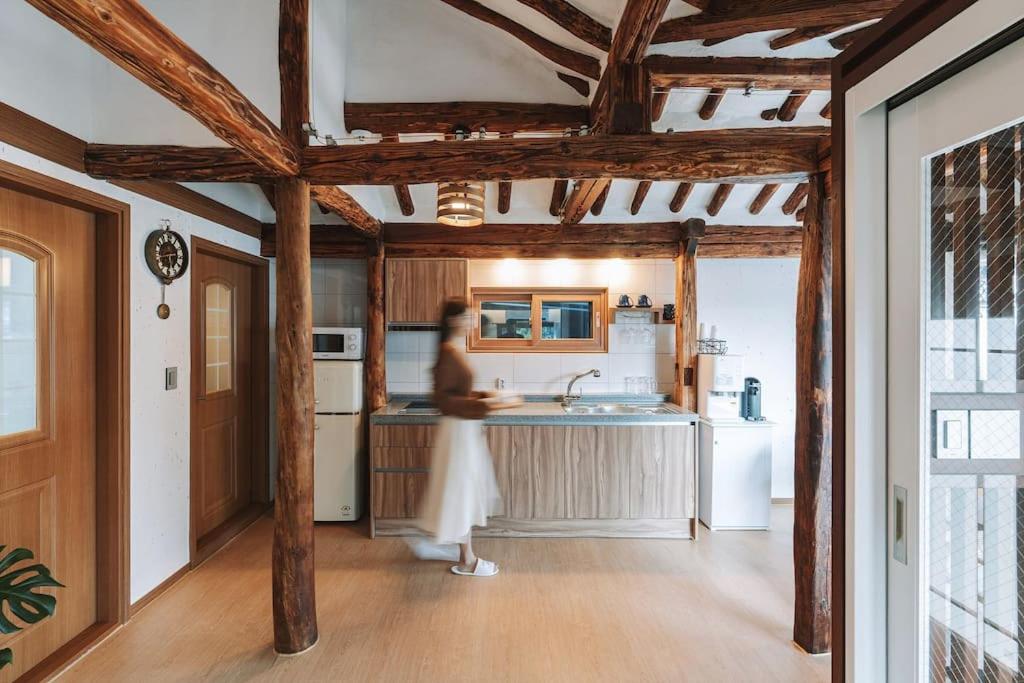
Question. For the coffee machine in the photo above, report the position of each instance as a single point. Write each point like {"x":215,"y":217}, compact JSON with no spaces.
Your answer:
{"x":719,"y":386}
{"x":751,"y":406}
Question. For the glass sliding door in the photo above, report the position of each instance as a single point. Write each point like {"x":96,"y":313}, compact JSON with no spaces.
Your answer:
{"x":956,"y":380}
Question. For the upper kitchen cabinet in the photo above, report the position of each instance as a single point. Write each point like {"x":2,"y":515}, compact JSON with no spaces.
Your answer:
{"x":416,"y":288}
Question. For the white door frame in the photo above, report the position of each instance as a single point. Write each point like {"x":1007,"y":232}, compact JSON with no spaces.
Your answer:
{"x":866,"y":333}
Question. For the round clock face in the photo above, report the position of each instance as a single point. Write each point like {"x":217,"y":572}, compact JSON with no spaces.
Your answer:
{"x":166,"y":255}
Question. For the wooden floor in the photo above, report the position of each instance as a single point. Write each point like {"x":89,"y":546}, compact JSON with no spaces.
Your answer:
{"x":561,"y":610}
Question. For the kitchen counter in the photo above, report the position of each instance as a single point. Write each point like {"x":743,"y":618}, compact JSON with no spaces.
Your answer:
{"x":630,"y":475}
{"x":549,"y":411}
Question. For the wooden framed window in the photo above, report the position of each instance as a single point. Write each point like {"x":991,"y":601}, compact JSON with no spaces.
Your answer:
{"x":563,"y":320}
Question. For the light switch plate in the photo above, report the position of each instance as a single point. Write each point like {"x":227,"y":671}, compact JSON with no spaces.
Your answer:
{"x":170,"y":379}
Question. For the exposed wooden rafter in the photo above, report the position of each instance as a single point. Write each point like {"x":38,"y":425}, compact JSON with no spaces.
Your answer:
{"x":841,"y":42}
{"x":802,"y":35}
{"x":711,"y":102}
{"x":787,"y":112}
{"x":404,"y":198}
{"x":642,"y":188}
{"x":683,"y":191}
{"x":598,"y":205}
{"x":570,"y":59}
{"x":504,"y":196}
{"x":826,"y":111}
{"x":658,"y":102}
{"x":718,"y":199}
{"x":580,"y":85}
{"x":739,"y":18}
{"x":586,"y":195}
{"x":766,"y":73}
{"x":126,"y":33}
{"x":575,"y":21}
{"x":766,"y":193}
{"x":394,"y":118}
{"x":792,"y":202}
{"x":339,"y":202}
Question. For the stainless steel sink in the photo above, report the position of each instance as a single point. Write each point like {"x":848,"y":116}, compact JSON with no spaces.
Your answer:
{"x":616,"y":409}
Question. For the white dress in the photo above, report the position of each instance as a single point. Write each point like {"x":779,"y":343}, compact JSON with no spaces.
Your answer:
{"x":462,"y":491}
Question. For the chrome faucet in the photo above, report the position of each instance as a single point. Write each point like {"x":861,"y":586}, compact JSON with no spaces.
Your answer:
{"x":569,"y":397}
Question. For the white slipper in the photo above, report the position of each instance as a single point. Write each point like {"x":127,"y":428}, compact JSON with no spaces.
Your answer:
{"x":482,"y":568}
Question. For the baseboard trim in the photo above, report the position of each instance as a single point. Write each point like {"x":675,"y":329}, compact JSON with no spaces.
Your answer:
{"x":782,"y":501}
{"x":161,"y":588}
{"x":214,"y":541}
{"x":559,"y":528}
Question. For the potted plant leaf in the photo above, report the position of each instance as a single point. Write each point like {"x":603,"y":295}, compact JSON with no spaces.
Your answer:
{"x":18,"y":596}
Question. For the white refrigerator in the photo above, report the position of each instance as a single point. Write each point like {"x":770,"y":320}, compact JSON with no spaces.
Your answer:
{"x":339,"y":458}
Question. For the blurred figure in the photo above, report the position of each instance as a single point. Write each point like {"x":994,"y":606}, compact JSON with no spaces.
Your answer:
{"x":462,"y":491}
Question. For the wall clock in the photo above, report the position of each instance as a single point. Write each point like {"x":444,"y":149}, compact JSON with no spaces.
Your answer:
{"x":167,"y":256}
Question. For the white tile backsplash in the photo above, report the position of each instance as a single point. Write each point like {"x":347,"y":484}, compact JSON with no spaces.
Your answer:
{"x":339,"y":292}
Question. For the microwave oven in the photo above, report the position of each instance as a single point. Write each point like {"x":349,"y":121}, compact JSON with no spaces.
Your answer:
{"x":337,"y":343}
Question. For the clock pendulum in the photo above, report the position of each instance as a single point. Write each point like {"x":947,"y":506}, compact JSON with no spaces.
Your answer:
{"x":163,"y":311}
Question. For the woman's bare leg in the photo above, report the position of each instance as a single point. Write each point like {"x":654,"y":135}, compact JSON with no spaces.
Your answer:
{"x":467,"y":560}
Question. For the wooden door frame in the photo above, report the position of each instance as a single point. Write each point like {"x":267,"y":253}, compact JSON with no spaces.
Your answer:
{"x":113,"y":373}
{"x":898,"y":32}
{"x":260,"y":388}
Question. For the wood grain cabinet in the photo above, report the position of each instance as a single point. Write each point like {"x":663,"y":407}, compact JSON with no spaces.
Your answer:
{"x":562,"y":480}
{"x":416,"y":288}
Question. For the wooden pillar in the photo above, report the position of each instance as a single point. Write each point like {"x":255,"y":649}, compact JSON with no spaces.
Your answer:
{"x":686,"y":326}
{"x":293,"y":584}
{"x":376,"y":381}
{"x":812,"y":532}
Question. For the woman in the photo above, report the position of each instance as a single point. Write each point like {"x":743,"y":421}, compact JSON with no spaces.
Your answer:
{"x":462,"y":491}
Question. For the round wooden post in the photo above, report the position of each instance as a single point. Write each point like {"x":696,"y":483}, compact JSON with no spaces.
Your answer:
{"x":376,"y":382}
{"x":812,"y":531}
{"x":293,"y":576}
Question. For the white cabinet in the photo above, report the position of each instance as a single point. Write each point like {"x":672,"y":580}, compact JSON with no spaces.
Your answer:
{"x":735,"y":475}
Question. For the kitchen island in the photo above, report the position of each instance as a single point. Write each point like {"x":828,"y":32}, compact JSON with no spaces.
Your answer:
{"x":608,"y":468}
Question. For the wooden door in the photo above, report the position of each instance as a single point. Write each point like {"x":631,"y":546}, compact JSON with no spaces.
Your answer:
{"x":47,"y":410}
{"x":222,"y":386}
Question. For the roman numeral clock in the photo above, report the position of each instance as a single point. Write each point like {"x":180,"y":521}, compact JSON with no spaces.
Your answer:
{"x":167,"y":257}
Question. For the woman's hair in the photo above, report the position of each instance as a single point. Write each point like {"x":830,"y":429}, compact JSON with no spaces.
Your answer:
{"x":450,"y":309}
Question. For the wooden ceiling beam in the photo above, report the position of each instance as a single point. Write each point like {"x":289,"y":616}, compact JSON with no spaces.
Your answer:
{"x":587,"y":195}
{"x":711,"y":102}
{"x":733,"y":18}
{"x":826,"y":111}
{"x":395,"y":118}
{"x":341,"y":203}
{"x":580,"y":85}
{"x":761,"y":200}
{"x":293,"y":68}
{"x":598,"y":205}
{"x":791,"y":105}
{"x":802,"y":35}
{"x":683,"y":191}
{"x":635,"y":30}
{"x":718,"y":199}
{"x":841,"y":42}
{"x":570,"y":59}
{"x":404,"y":197}
{"x":575,"y":21}
{"x":766,"y":73}
{"x":127,"y":34}
{"x":172,"y":162}
{"x":504,"y":196}
{"x":642,"y":188}
{"x":658,"y":102}
{"x":532,"y":233}
{"x":795,"y":198}
{"x":738,"y":155}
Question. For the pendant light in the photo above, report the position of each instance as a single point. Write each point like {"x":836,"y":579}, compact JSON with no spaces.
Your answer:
{"x":460,"y":204}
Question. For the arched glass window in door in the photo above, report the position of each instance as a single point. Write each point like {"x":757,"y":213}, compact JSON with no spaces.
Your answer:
{"x":19,"y":343}
{"x":220,"y":342}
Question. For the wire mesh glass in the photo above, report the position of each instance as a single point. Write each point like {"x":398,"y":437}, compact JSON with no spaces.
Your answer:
{"x":975,"y":372}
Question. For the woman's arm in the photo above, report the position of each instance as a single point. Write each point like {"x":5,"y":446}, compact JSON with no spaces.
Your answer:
{"x":449,"y":399}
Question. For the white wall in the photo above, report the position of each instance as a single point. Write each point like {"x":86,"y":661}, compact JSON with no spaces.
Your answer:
{"x":753,"y":303}
{"x":159,"y":419}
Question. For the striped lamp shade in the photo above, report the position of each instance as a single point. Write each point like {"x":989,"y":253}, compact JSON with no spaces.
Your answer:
{"x":460,"y":204}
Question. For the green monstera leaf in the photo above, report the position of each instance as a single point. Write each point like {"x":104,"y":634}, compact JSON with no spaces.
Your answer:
{"x":17,"y":586}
